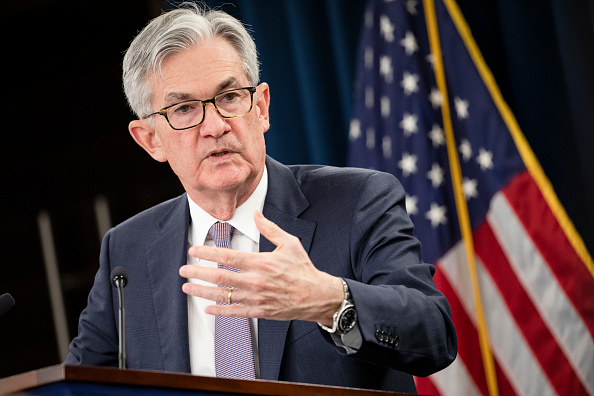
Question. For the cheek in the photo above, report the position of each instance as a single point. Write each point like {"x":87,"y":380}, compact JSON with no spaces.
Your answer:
{"x":180,"y":151}
{"x":256,"y":141}
{"x":255,"y":149}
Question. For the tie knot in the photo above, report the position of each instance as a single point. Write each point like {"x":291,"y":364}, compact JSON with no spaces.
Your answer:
{"x":221,"y":234}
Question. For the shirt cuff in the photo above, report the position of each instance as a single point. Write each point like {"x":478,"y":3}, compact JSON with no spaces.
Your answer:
{"x":351,"y":341}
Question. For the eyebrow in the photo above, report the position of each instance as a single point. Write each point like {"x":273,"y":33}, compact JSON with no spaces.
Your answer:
{"x":227,"y":83}
{"x":174,"y":97}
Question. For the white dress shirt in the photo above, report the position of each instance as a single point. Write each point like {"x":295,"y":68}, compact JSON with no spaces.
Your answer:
{"x":246,"y":237}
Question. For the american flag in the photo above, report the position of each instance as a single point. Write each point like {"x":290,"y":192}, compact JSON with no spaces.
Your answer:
{"x":535,"y":277}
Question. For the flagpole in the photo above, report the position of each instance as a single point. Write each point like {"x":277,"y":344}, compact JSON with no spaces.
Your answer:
{"x":461,"y":208}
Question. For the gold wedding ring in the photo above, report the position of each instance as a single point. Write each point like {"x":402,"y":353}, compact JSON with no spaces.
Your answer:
{"x":229,"y":296}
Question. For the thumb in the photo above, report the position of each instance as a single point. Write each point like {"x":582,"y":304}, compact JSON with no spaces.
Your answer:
{"x":270,"y":230}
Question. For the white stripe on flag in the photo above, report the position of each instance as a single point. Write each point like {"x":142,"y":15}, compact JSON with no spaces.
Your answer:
{"x":507,"y":341}
{"x":548,"y":296}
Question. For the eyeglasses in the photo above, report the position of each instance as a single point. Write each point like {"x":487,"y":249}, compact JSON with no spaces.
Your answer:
{"x":190,"y":113}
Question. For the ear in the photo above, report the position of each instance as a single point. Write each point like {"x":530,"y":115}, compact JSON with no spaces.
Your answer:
{"x":262,"y":104}
{"x":146,"y":137}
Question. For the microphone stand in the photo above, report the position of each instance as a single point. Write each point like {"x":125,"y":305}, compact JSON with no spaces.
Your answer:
{"x":122,"y":325}
{"x":119,"y":278}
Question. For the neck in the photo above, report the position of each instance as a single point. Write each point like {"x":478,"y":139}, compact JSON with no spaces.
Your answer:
{"x":222,"y":207}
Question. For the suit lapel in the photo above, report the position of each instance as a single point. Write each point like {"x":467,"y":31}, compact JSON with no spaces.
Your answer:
{"x":164,"y":257}
{"x":284,"y":203}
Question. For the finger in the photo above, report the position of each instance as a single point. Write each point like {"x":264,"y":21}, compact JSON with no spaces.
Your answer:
{"x":212,"y":293}
{"x":228,"y":257}
{"x":271,"y":231}
{"x":234,"y":310}
{"x":220,"y":295}
{"x":215,"y":276}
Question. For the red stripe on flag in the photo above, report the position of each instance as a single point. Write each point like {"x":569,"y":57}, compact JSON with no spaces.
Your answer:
{"x":528,"y":202}
{"x":426,"y":387}
{"x":543,"y":344}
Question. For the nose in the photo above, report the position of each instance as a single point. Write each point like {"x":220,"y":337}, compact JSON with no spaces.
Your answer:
{"x":214,"y":124}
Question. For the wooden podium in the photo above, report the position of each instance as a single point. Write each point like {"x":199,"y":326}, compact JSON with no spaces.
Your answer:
{"x":90,"y":381}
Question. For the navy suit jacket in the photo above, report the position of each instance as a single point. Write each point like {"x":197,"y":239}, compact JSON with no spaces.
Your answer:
{"x":352,"y":223}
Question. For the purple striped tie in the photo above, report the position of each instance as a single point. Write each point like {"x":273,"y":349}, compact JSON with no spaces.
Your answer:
{"x":234,"y":355}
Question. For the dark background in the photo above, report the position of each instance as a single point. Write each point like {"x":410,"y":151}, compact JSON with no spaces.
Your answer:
{"x":65,"y":140}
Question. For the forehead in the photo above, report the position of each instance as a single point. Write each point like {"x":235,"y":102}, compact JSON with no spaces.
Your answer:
{"x":198,"y":72}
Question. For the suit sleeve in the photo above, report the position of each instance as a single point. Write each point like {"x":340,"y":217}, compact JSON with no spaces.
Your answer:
{"x":405,"y":321}
{"x":97,"y":341}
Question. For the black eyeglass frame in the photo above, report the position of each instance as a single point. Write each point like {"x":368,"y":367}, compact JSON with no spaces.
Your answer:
{"x":163,"y":111}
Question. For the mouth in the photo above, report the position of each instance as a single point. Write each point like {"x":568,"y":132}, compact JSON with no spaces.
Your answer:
{"x":221,"y":154}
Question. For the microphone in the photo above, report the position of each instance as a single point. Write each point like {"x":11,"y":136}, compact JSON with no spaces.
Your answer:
{"x":119,"y":278}
{"x":6,"y":303}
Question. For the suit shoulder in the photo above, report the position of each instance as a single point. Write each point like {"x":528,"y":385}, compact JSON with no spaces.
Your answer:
{"x":321,"y":175}
{"x":148,"y":217}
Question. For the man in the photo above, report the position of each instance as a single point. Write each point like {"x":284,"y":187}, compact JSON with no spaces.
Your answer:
{"x":323,"y":276}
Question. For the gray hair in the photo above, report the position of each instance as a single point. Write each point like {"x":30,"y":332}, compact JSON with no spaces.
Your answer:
{"x":174,"y":32}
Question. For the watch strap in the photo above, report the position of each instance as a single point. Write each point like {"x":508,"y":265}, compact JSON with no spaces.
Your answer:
{"x":336,"y":317}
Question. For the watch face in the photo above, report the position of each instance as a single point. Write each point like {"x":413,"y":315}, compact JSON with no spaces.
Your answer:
{"x":347,"y":320}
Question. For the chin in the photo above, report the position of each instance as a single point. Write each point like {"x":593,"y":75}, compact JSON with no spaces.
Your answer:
{"x":225,"y":181}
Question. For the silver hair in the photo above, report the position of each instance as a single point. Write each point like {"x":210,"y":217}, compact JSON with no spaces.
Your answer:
{"x":174,"y":32}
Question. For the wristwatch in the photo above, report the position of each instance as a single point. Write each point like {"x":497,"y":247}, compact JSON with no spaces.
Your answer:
{"x":346,"y":317}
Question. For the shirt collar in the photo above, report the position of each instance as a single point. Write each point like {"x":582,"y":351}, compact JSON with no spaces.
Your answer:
{"x":242,"y":220}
